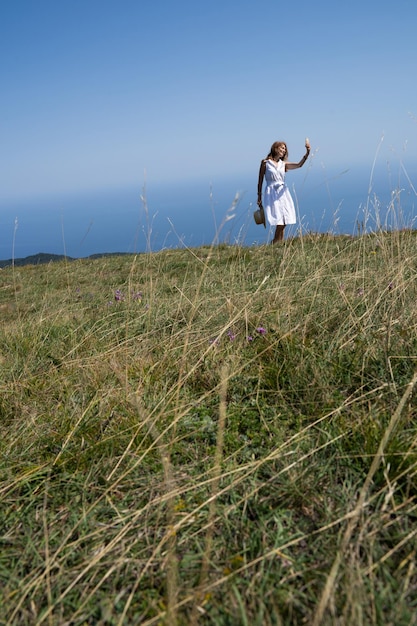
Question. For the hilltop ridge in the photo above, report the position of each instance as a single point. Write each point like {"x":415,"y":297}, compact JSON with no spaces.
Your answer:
{"x":44,"y":257}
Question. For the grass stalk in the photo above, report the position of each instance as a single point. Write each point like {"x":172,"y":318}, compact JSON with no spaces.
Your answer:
{"x":361,"y":503}
{"x":217,"y":471}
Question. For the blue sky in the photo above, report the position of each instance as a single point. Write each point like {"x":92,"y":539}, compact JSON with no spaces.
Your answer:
{"x":97,"y":92}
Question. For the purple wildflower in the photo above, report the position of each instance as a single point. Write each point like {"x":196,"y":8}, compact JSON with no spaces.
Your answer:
{"x":249,"y":338}
{"x":231,"y":335}
{"x":118,"y":295}
{"x":261,"y":330}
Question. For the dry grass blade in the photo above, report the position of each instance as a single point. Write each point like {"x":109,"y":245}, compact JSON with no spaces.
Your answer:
{"x":353,"y":521}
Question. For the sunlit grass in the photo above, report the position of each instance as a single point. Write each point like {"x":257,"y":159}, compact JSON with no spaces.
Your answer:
{"x":222,"y":435}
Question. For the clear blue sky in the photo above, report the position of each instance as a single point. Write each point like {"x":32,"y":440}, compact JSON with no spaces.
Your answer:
{"x":95,"y":92}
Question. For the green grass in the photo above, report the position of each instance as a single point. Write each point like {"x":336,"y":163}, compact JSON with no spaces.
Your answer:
{"x":221,"y":435}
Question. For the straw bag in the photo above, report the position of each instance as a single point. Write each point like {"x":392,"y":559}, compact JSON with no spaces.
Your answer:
{"x":259,"y":216}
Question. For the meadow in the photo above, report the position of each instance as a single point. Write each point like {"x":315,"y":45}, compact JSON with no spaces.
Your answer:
{"x":218,"y":435}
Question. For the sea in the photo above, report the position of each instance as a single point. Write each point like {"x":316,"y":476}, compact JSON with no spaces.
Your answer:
{"x":153,"y":217}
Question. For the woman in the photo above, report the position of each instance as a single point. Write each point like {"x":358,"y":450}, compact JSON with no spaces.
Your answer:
{"x":278,"y":203}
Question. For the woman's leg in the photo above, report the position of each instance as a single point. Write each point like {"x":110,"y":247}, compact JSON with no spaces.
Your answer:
{"x":279,"y":233}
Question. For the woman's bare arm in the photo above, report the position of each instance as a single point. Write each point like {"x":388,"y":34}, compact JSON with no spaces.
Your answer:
{"x":295,"y":166}
{"x":261,"y":180}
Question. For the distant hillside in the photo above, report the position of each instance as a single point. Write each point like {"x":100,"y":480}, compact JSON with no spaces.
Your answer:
{"x":43,"y":257}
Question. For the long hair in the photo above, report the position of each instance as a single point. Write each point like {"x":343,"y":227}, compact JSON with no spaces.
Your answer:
{"x":274,"y":150}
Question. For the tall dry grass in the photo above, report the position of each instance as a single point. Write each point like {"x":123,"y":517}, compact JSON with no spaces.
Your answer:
{"x":220,"y":435}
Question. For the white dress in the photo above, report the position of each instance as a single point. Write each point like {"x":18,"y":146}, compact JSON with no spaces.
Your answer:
{"x":278,"y":203}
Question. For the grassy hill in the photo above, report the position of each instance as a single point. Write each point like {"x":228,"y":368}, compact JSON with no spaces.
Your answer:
{"x":220,"y":435}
